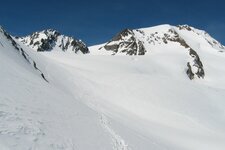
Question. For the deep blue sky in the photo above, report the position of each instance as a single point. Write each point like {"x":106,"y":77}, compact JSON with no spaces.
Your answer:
{"x":96,"y":21}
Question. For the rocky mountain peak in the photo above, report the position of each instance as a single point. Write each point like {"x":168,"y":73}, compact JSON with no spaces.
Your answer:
{"x":140,"y":41}
{"x":124,"y":33}
{"x":125,"y":42}
{"x":165,"y":38}
{"x":51,"y":39}
{"x":184,"y":27}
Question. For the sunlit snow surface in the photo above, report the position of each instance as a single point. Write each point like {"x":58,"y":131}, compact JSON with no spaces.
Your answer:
{"x":99,"y":102}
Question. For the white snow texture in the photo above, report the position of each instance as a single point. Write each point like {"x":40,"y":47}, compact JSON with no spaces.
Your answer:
{"x":100,"y":101}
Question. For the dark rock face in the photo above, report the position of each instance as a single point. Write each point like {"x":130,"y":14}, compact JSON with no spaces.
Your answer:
{"x":197,"y":63}
{"x":45,"y":45}
{"x":79,"y":45}
{"x":189,"y":71}
{"x":195,"y":67}
{"x":141,"y":48}
{"x":175,"y":38}
{"x":47,"y":40}
{"x":184,"y":27}
{"x":125,"y":42}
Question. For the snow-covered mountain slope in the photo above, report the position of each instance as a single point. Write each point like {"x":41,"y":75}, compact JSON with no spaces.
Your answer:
{"x":145,"y":40}
{"x":50,"y":39}
{"x":151,"y":103}
{"x":163,"y":38}
{"x":38,"y":115}
{"x":12,"y":44}
{"x":114,"y":102}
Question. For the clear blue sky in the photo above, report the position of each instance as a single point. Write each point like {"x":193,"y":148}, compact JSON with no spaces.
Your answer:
{"x":96,"y":21}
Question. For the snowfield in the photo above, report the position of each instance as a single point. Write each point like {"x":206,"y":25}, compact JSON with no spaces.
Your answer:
{"x":102,"y":102}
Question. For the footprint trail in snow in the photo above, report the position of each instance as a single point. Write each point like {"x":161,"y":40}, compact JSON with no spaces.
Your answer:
{"x":118,"y":142}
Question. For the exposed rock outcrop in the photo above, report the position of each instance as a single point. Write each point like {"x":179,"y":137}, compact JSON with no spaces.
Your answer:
{"x":125,"y":42}
{"x":50,"y":39}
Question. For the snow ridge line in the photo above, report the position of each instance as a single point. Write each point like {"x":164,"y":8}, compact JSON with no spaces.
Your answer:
{"x":1,"y":44}
{"x":21,"y":52}
{"x":118,"y":142}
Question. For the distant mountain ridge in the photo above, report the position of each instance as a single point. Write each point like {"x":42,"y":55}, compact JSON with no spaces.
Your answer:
{"x":142,"y":41}
{"x":50,"y":39}
{"x":137,"y":41}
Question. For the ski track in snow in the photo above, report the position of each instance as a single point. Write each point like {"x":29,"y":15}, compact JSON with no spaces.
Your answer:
{"x":118,"y":142}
